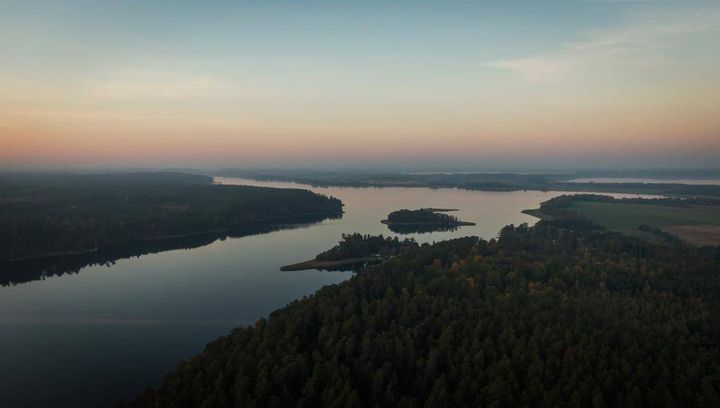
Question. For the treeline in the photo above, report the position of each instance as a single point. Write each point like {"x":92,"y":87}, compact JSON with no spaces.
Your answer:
{"x":561,"y":210}
{"x":546,"y":316}
{"x":660,"y":234}
{"x":474,"y":181}
{"x":53,"y":214}
{"x":28,"y":270}
{"x":358,"y":246}
{"x":420,"y":216}
{"x":557,"y":204}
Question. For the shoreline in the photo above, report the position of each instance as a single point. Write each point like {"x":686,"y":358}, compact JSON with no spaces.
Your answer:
{"x":439,"y":224}
{"x":319,"y":264}
{"x":708,"y":191}
{"x":537,"y":213}
{"x":52,"y":255}
{"x":219,"y":231}
{"x":186,"y":235}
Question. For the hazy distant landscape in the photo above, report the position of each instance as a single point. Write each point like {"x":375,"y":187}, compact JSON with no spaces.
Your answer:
{"x":486,"y":181}
{"x":359,"y":204}
{"x":282,"y":274}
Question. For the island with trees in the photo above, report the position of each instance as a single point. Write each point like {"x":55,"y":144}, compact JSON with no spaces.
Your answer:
{"x":355,"y":250}
{"x":423,"y":220}
{"x":550,"y":315}
{"x":95,"y":215}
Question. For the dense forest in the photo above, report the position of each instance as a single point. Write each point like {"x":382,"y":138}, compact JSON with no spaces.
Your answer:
{"x":358,"y":245}
{"x":43,"y":215}
{"x":555,"y":315}
{"x":40,"y":268}
{"x":421,"y":221}
{"x":423,"y":216}
{"x":354,"y":252}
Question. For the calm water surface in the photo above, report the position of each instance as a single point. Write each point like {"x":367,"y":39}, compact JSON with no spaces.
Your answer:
{"x":92,"y":338}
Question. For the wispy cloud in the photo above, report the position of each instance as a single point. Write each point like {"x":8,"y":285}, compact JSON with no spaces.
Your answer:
{"x":648,"y":34}
{"x":630,"y":41}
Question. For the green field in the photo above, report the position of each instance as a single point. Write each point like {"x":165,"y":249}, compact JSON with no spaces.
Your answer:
{"x":698,"y":225}
{"x":627,"y":217}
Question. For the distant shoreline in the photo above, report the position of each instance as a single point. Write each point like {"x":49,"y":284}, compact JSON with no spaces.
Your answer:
{"x":490,"y":182}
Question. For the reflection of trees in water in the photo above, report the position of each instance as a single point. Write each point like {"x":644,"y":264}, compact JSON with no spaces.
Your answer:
{"x":19,"y":272}
{"x":420,"y":228}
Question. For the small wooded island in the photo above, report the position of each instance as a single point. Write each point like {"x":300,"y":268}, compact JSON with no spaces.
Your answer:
{"x":355,"y":250}
{"x":423,"y":220}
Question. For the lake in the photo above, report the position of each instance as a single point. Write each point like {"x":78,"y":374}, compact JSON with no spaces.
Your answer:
{"x":90,"y":338}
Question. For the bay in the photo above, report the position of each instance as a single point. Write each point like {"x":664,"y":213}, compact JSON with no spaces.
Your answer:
{"x":90,"y":338}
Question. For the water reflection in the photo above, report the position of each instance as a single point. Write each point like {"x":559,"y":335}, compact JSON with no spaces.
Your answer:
{"x":91,"y":338}
{"x":24,"y":271}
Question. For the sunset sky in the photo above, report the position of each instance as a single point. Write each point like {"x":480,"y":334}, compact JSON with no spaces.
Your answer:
{"x":339,"y":83}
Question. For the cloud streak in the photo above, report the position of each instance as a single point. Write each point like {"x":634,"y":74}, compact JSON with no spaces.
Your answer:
{"x":533,"y":67}
{"x":628,"y":42}
{"x":648,"y":34}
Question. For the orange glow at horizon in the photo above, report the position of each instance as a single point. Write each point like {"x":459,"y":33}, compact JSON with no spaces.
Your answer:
{"x":629,"y":81}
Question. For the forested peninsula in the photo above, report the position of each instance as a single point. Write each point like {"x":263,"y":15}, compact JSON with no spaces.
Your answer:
{"x":73,"y":214}
{"x":551,"y":315}
{"x":353,"y":250}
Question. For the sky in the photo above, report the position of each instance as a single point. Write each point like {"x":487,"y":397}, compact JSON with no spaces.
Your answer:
{"x":437,"y":84}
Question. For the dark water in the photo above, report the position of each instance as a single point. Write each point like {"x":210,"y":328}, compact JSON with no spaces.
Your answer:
{"x":94,"y":336}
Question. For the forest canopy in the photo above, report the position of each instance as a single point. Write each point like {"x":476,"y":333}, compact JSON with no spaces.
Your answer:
{"x":406,"y":221}
{"x":545,"y":316}
{"x":55,"y":214}
{"x":423,"y":216}
{"x":358,"y":245}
